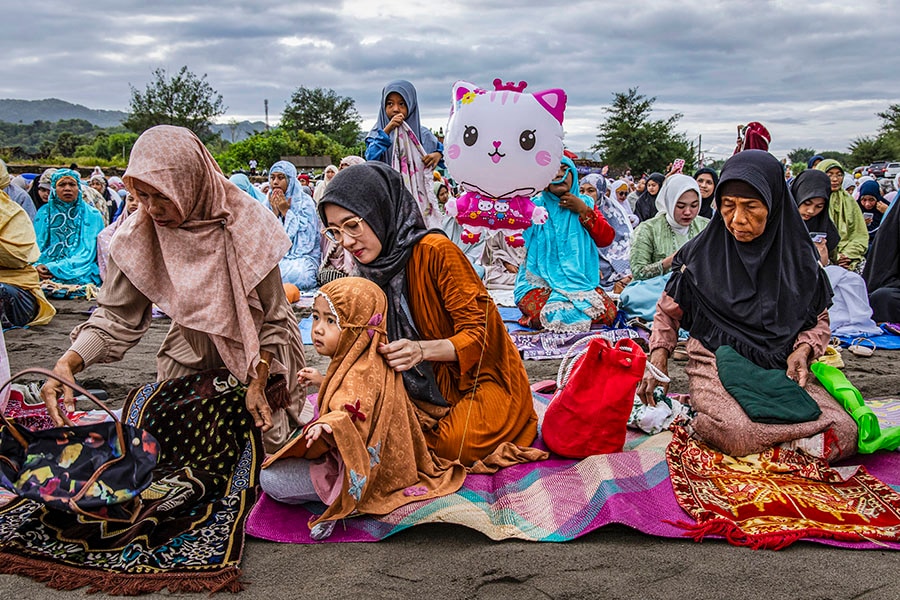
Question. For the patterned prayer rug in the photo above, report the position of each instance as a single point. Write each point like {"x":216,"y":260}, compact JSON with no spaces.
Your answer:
{"x":553,"y":501}
{"x":772,"y":499}
{"x":189,"y":534}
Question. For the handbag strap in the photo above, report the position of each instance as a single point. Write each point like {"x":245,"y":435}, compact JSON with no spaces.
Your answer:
{"x":657,"y":374}
{"x":570,"y":359}
{"x":47,"y":373}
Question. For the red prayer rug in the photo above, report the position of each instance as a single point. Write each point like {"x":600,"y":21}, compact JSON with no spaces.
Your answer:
{"x":772,"y":499}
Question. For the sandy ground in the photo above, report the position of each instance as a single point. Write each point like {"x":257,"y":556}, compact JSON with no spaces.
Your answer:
{"x":444,"y":561}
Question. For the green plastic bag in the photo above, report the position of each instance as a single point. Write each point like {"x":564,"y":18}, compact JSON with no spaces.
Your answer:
{"x":871,"y":436}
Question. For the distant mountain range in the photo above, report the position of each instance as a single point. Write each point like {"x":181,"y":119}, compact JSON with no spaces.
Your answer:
{"x":53,"y":109}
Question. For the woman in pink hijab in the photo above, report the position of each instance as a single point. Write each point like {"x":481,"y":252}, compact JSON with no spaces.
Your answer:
{"x":207,"y":254}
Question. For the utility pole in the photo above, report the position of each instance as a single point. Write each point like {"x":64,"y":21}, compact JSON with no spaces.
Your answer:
{"x":266,"y":104}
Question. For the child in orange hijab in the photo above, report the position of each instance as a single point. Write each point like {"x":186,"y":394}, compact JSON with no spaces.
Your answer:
{"x":366,"y":453}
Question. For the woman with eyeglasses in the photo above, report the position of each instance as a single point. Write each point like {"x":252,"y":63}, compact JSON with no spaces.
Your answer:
{"x":847,"y":217}
{"x":207,"y":254}
{"x":446,"y":336}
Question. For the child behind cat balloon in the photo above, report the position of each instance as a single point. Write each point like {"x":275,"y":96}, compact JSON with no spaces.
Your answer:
{"x":366,"y":452}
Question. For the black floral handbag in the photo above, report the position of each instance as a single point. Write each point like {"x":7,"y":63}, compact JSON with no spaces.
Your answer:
{"x":96,"y":470}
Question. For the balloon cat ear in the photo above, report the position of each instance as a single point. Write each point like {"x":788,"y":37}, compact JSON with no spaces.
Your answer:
{"x":554,"y":101}
{"x":460,"y":89}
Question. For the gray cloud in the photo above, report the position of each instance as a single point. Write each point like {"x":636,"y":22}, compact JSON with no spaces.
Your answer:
{"x":815,"y":73}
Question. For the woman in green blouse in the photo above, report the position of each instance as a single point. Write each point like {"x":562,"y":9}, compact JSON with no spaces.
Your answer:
{"x":656,"y":240}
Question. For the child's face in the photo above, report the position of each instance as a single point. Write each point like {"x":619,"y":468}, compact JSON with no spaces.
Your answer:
{"x":394,"y":105}
{"x":810,"y":208}
{"x":325,"y":330}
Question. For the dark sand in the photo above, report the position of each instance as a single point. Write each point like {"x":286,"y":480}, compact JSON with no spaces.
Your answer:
{"x":444,"y":561}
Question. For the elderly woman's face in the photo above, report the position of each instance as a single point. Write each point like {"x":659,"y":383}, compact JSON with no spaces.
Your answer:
{"x":365,"y":246}
{"x":868,"y":201}
{"x":67,"y":189}
{"x":745,"y":218}
{"x":160,"y":207}
{"x":588,"y":190}
{"x":97,"y":185}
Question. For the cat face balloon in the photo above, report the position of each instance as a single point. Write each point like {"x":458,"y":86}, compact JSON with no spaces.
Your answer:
{"x":506,"y":142}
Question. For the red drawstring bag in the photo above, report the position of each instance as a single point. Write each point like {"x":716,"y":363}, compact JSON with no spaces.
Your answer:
{"x":594,"y":398}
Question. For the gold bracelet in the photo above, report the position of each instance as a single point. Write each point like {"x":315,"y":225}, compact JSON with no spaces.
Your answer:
{"x":421,"y":351}
{"x":265,"y":362}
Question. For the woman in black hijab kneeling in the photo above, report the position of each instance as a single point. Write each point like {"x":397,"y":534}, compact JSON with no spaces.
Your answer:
{"x":751,"y":292}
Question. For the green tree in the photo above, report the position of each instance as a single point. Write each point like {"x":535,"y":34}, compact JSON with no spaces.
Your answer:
{"x":321,"y":110}
{"x":801,"y":154}
{"x":866,"y":150}
{"x":630,"y":138}
{"x":66,"y":144}
{"x":268,"y":147}
{"x":891,"y":119}
{"x":842,"y":157}
{"x":183,"y":99}
{"x":109,"y":146}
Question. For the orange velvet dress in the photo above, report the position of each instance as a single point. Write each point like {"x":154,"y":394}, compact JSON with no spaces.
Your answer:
{"x":496,"y":423}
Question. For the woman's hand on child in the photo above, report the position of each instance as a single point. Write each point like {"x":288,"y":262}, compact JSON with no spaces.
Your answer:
{"x":309,"y":376}
{"x":315,"y":431}
{"x":431,"y":160}
{"x":403,"y":354}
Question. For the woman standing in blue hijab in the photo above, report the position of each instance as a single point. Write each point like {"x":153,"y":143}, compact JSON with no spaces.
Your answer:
{"x":399,"y":104}
{"x":67,"y":229}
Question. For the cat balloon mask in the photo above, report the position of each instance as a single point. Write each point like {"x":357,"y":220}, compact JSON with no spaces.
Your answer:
{"x":502,"y":146}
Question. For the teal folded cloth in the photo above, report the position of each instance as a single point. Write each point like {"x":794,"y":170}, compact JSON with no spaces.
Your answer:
{"x":766,"y":395}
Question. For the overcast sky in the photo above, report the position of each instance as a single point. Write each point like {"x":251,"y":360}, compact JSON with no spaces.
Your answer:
{"x":814,"y":72}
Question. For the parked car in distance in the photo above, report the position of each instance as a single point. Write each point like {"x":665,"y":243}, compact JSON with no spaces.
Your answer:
{"x":876,"y":169}
{"x":892,"y":170}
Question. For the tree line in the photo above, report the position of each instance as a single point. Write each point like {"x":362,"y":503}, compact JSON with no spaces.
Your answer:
{"x":318,"y":121}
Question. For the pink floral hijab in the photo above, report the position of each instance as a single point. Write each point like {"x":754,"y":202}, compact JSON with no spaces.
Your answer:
{"x":204,"y":272}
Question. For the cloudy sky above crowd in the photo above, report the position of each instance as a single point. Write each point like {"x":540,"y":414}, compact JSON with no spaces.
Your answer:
{"x":814,"y":72}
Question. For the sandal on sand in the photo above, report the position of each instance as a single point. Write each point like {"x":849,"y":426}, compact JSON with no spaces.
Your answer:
{"x":832,"y":357}
{"x":680,"y":352}
{"x":859,"y":348}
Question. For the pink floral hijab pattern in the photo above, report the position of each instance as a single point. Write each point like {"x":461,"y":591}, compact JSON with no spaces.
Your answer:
{"x":202,"y":273}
